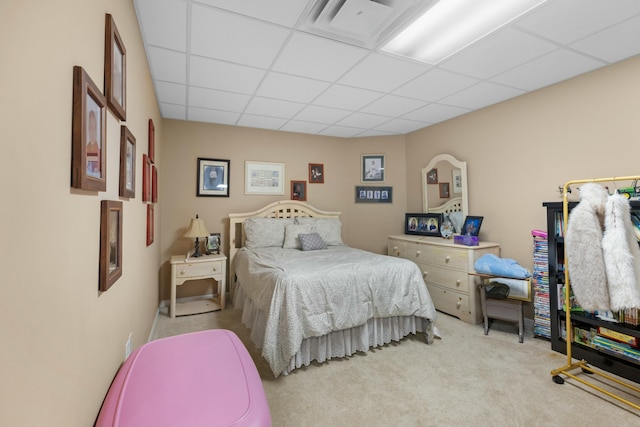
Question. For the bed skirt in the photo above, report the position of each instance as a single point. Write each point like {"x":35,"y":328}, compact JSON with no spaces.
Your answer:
{"x":375,"y":333}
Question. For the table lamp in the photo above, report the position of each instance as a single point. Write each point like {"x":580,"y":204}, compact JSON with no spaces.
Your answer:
{"x":196,"y":230}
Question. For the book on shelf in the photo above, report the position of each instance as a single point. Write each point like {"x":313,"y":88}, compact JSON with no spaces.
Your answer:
{"x":618,"y":336}
{"x":584,"y":336}
{"x":617,"y":348}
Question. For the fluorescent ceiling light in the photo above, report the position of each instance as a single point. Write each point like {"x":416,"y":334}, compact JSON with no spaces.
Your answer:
{"x":451,"y":25}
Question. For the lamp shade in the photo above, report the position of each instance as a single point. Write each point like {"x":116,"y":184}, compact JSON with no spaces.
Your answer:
{"x":196,"y":229}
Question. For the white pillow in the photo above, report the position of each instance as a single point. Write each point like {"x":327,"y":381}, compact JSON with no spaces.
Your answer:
{"x":329,"y":229}
{"x":291,"y":231}
{"x":265,"y":232}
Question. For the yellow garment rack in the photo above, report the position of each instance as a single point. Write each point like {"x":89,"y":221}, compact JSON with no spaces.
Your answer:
{"x":582,"y":364}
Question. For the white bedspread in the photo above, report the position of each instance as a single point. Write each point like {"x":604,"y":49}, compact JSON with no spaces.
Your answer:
{"x":311,"y":293}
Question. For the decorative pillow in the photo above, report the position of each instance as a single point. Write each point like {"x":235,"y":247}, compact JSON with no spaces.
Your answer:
{"x":311,"y":242}
{"x":457,"y":220}
{"x":265,"y":232}
{"x":291,"y":232}
{"x":329,"y":229}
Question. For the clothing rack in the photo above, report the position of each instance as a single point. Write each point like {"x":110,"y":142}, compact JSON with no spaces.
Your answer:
{"x":582,"y":364}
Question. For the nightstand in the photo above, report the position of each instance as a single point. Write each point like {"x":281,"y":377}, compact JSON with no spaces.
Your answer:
{"x":204,"y":267}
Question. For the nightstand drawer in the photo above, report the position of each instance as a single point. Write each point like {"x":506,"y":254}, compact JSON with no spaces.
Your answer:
{"x":452,"y":279}
{"x":196,"y":269}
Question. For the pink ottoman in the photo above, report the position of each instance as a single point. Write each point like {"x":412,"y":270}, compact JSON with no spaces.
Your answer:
{"x":199,"y":379}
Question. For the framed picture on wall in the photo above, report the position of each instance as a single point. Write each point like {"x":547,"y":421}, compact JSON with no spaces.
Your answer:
{"x":299,"y":190}
{"x":89,"y":135}
{"x":213,"y":177}
{"x":444,"y":190}
{"x":150,"y":224}
{"x":110,"y":268}
{"x":115,"y":70}
{"x":127,"y":163}
{"x":372,"y":168}
{"x":152,"y":141}
{"x":371,"y":194}
{"x":146,"y":178}
{"x":263,"y":178}
{"x":316,"y":173}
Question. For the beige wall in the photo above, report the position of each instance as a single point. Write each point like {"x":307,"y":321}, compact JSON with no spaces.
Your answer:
{"x":62,"y":340}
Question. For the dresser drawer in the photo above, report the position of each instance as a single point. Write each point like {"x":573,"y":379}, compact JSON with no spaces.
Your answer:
{"x":449,"y":257}
{"x":196,"y":269}
{"x":397,"y":248}
{"x":417,"y":252}
{"x":451,"y":279}
{"x":450,"y":302}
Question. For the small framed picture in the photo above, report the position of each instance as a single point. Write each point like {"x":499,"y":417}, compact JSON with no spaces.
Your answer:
{"x":154,"y":184}
{"x":456,"y":175}
{"x":89,"y":134}
{"x":152,"y":141}
{"x":471,"y":226}
{"x":316,"y":173}
{"x":213,"y":243}
{"x":370,"y":194}
{"x":299,"y":190}
{"x":444,"y":190}
{"x":146,"y":178}
{"x":110,"y":268}
{"x":422,"y":224}
{"x":150,"y":224}
{"x":127,"y":163}
{"x":372,"y":168}
{"x":115,"y":70}
{"x":213,"y":177}
{"x":432,"y":176}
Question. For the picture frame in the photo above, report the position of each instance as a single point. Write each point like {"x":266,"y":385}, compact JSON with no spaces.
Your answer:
{"x":213,"y":177}
{"x":316,"y":173}
{"x":127,"y":163}
{"x":110,"y":265}
{"x":213,"y":243}
{"x":422,"y":224}
{"x":115,"y":70}
{"x":89,"y":134}
{"x":154,"y":184}
{"x":299,"y":190}
{"x":444,"y":190}
{"x":456,"y":181}
{"x":152,"y":141}
{"x":150,"y":224}
{"x":146,"y":178}
{"x":471,"y":225}
{"x":372,"y":168}
{"x":264,"y":178}
{"x":374,"y":194}
{"x":432,"y":176}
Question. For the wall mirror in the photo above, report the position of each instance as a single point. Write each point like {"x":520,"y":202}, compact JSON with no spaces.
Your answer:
{"x":444,"y":188}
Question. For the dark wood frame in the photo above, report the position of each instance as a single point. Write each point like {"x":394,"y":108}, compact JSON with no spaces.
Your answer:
{"x":146,"y":178}
{"x":154,"y":184}
{"x":477,"y":220}
{"x":112,"y":46}
{"x":422,"y":218}
{"x":108,"y":274}
{"x":302,"y":197}
{"x":150,"y":224}
{"x":445,"y":192}
{"x":432,"y":176}
{"x":363,"y":174}
{"x":369,"y":190}
{"x":84,"y":88}
{"x":316,"y":178}
{"x":127,"y":139}
{"x":201,"y":191}
{"x":152,"y":141}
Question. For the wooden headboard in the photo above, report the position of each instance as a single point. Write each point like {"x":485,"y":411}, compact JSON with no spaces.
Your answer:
{"x":281,"y":209}
{"x":453,"y":205}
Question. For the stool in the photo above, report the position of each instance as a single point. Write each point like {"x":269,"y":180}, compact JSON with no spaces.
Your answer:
{"x":502,"y":309}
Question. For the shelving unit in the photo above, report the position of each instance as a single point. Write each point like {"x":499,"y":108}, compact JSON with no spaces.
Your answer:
{"x":540,"y":280}
{"x":564,"y":321}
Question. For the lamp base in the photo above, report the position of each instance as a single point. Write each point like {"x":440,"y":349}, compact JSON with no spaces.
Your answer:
{"x":197,"y":253}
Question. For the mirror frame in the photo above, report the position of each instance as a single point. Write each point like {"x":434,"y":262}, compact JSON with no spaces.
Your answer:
{"x":463,"y":175}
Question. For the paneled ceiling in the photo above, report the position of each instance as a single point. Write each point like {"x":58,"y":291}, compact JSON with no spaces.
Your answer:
{"x":312,"y":66}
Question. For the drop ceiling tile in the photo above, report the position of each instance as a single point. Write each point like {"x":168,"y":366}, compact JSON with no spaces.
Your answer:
{"x":392,"y":106}
{"x":318,"y":114}
{"x":613,"y":44}
{"x":346,"y":98}
{"x":213,"y":116}
{"x":559,"y":65}
{"x":291,"y":88}
{"x":487,"y":57}
{"x":217,"y":99}
{"x":316,"y":57}
{"x":172,"y":93}
{"x":163,"y":23}
{"x":435,"y":113}
{"x":363,"y":120}
{"x":402,"y":126}
{"x":341,"y":131}
{"x":252,"y":121}
{"x":481,"y":95}
{"x":434,"y":85}
{"x":273,"y":107}
{"x":283,"y":12}
{"x":229,"y":37}
{"x":566,"y":21}
{"x":214,"y":74}
{"x":303,"y":127}
{"x":374,"y":132}
{"x":167,"y":65}
{"x":382,"y":73}
{"x":172,"y":111}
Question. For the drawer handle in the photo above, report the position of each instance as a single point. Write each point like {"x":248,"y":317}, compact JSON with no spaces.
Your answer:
{"x":215,"y":269}
{"x":447,"y":258}
{"x":395,"y":248}
{"x":418,"y":253}
{"x":459,"y":304}
{"x":458,"y":283}
{"x":182,"y":272}
{"x":425,"y":273}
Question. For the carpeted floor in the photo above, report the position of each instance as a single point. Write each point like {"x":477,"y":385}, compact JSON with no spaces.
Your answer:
{"x":463,"y":379}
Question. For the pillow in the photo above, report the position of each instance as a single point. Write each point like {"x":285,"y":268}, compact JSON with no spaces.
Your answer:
{"x":291,"y":232}
{"x":457,"y":220}
{"x":265,"y":232}
{"x":329,"y":229}
{"x":311,"y":242}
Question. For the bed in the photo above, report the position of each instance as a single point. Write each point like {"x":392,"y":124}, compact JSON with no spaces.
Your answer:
{"x":304,"y":305}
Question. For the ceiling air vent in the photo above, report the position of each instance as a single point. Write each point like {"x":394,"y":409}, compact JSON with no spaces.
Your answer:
{"x":365,"y":23}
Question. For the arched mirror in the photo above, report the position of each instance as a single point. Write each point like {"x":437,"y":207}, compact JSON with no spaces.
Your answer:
{"x":444,"y":188}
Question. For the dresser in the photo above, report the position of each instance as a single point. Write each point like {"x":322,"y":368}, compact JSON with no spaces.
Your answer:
{"x":447,"y":270}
